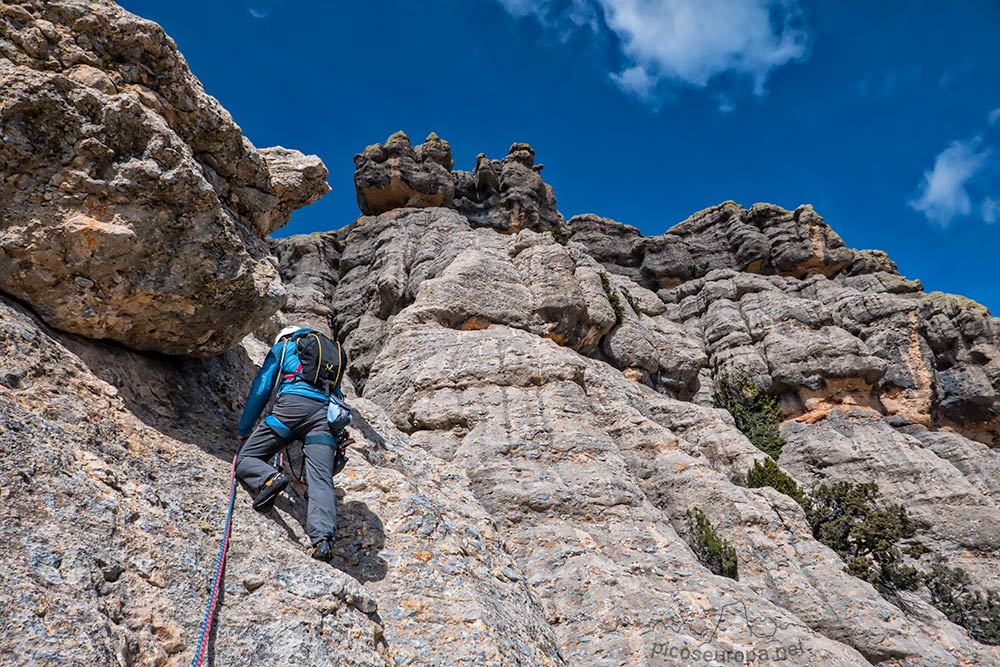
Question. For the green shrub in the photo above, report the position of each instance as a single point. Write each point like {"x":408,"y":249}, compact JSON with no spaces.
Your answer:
{"x":713,"y":551}
{"x":767,"y":473}
{"x":616,"y":304}
{"x":631,"y":301}
{"x":757,"y":414}
{"x":976,"y":611}
{"x":558,"y":235}
{"x":850,"y":519}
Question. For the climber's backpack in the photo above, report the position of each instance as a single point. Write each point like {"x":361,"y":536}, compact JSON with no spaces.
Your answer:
{"x":321,"y":364}
{"x":321,"y":360}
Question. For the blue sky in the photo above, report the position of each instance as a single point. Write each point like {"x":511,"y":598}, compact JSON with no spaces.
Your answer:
{"x":884,"y":116}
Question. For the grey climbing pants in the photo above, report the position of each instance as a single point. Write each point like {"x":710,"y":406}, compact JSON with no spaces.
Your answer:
{"x":306,"y":418}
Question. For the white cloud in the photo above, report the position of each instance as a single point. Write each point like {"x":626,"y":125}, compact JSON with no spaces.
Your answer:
{"x":683,"y":42}
{"x":956,"y":71}
{"x":262,"y":9}
{"x":693,"y":41}
{"x":993,"y":116}
{"x":991,"y":210}
{"x":637,"y":81}
{"x":943,"y":192}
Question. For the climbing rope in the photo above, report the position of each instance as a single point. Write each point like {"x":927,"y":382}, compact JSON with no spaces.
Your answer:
{"x":279,"y":464}
{"x":206,"y":626}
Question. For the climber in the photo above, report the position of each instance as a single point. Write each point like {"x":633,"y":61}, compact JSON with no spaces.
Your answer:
{"x":309,"y":406}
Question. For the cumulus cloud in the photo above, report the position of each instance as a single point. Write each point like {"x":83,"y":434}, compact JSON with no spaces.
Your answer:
{"x":693,"y":41}
{"x":689,"y":43}
{"x":637,"y":81}
{"x":943,"y":194}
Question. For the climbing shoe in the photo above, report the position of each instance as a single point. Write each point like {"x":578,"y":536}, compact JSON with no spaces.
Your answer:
{"x":323,"y":550}
{"x":275,"y":484}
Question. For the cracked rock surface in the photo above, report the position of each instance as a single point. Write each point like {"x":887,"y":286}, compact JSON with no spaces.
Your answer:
{"x":534,"y":400}
{"x":133,"y":206}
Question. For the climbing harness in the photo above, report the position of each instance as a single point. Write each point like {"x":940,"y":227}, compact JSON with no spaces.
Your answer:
{"x":279,"y":464}
{"x":206,"y":625}
{"x":340,"y":459}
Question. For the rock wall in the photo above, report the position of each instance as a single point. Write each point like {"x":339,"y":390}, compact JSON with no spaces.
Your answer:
{"x":534,"y":402}
{"x":570,"y":374}
{"x":133,"y":206}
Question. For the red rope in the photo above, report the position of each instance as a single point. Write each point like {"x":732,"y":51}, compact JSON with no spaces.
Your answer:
{"x":291,"y":466}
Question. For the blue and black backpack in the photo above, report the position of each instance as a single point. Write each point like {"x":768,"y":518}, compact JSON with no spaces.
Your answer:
{"x":322,"y":362}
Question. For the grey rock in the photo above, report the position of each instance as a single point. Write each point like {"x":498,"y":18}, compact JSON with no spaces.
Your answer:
{"x":310,"y":270}
{"x":764,"y":239}
{"x":953,"y":498}
{"x":134,"y":207}
{"x":395,"y":175}
{"x":10,"y":378}
{"x":533,"y":420}
{"x":118,"y":520}
{"x":965,"y":340}
{"x":508,"y":195}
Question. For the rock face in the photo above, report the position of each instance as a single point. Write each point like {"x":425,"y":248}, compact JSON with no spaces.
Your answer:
{"x":534,"y":417}
{"x":576,"y":398}
{"x":113,"y":476}
{"x":507,"y":195}
{"x":764,"y":239}
{"x":394,"y":174}
{"x":133,"y":206}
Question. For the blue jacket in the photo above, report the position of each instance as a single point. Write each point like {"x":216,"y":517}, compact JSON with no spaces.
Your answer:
{"x":263,"y":384}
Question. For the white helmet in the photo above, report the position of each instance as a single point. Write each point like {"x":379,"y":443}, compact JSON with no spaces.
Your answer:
{"x":287,"y":331}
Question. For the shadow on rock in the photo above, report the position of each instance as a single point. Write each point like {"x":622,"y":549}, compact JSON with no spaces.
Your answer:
{"x":192,"y":400}
{"x":360,"y":539}
{"x":360,"y":533}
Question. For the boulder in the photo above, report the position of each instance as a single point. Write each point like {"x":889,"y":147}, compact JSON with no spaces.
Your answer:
{"x":395,"y":175}
{"x":134,"y":208}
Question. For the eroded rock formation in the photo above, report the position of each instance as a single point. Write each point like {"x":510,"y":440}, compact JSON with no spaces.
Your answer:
{"x":396,"y":174}
{"x":535,"y":414}
{"x":508,"y":195}
{"x":133,"y":206}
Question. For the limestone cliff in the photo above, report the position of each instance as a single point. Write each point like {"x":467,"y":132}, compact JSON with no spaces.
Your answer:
{"x":535,"y":397}
{"x":133,"y":206}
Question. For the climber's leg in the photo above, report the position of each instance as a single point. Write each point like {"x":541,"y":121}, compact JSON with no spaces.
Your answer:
{"x":321,"y":515}
{"x":252,"y":465}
